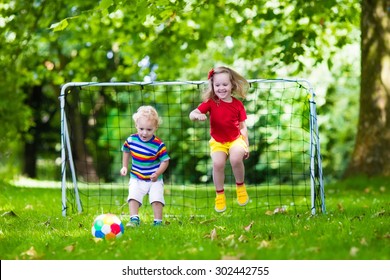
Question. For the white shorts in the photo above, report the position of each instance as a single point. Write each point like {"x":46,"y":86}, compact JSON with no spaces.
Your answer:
{"x":139,"y":188}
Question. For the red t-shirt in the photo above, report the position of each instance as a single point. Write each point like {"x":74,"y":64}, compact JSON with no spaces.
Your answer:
{"x":225,"y":118}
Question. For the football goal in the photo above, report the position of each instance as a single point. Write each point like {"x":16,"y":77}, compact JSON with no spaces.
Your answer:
{"x":283,"y":172}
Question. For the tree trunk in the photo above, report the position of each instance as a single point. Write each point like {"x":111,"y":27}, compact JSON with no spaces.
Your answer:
{"x":83,"y":160}
{"x":30,"y":153}
{"x":371,"y":155}
{"x":30,"y":159}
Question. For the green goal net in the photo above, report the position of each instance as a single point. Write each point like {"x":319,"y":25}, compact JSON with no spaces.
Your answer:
{"x":283,"y":172}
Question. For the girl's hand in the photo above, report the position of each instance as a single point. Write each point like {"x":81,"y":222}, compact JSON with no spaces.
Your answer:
{"x":201,"y":117}
{"x":197,"y":115}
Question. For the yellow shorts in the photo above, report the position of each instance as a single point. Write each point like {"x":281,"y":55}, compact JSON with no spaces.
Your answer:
{"x":225,"y":147}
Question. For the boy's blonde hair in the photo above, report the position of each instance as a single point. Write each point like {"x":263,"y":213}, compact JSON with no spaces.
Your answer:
{"x":147,"y":112}
{"x":239,"y":84}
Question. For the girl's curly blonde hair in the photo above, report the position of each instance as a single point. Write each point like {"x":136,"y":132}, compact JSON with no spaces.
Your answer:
{"x":239,"y":84}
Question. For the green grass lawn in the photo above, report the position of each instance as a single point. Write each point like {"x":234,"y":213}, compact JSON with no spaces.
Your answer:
{"x":356,"y":227}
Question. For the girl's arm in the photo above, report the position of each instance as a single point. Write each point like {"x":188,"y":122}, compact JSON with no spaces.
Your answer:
{"x":244,"y":133}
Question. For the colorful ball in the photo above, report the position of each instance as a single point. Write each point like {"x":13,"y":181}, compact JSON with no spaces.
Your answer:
{"x":107,"y":226}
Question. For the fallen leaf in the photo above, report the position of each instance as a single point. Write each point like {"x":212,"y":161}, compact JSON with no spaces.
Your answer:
{"x":263,"y":244}
{"x":69,"y":248}
{"x":380,"y":213}
{"x":9,"y":213}
{"x":220,"y":227}
{"x":313,"y":249}
{"x":54,"y":229}
{"x":192,"y":250}
{"x":269,"y":212}
{"x":32,"y":253}
{"x":358,"y":218}
{"x":248,"y":227}
{"x":353,"y":252}
{"x":213,"y":234}
{"x":230,"y":258}
{"x":243,"y":238}
{"x":97,"y":239}
{"x":281,"y":210}
{"x":229,"y":237}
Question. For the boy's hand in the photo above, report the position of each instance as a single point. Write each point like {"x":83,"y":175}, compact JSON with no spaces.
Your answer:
{"x":124,"y":171}
{"x":154,"y":177}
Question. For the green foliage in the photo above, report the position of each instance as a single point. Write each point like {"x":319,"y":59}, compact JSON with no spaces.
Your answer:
{"x":355,"y":228}
{"x":48,"y":43}
{"x":339,"y":110}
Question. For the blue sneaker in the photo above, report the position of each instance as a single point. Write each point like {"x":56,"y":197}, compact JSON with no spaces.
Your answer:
{"x":157,"y":223}
{"x":134,"y":222}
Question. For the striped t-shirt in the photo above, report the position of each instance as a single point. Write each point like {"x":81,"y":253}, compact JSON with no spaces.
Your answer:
{"x":146,"y":156}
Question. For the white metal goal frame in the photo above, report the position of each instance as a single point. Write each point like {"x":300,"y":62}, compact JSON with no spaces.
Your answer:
{"x":314,"y":141}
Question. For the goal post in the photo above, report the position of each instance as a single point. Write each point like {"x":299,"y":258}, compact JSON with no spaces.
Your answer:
{"x":283,"y":172}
